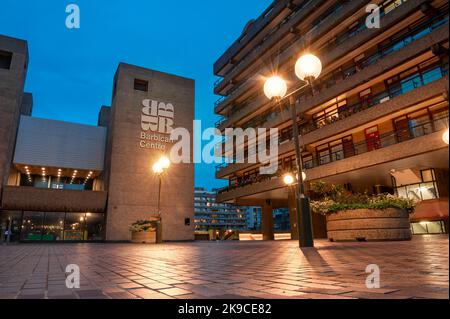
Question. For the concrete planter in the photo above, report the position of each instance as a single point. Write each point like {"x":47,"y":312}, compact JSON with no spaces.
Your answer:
{"x":143,"y":237}
{"x":369,"y":225}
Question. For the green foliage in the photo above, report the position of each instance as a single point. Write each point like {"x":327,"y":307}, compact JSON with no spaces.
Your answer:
{"x":334,"y":198}
{"x":143,"y":226}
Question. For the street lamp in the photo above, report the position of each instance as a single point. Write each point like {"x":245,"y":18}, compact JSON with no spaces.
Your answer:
{"x":445,"y":137}
{"x":158,"y":169}
{"x":307,"y":68}
{"x":288,"y":180}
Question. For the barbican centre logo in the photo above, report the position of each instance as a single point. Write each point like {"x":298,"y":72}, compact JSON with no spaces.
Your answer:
{"x":157,"y":120}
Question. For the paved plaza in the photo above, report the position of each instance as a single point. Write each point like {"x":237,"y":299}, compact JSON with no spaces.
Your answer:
{"x":234,"y":270}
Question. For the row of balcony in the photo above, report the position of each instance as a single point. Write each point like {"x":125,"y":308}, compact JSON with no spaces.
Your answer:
{"x":386,"y":7}
{"x":219,"y":224}
{"x":303,"y":7}
{"x":424,"y":27}
{"x":222,"y":220}
{"x":383,"y":141}
{"x":324,"y":16}
{"x":413,"y":82}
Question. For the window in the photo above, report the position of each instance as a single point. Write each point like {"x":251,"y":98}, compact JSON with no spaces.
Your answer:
{"x":424,"y":190}
{"x":32,"y":226}
{"x":5,"y":59}
{"x":140,"y":85}
{"x":426,"y":228}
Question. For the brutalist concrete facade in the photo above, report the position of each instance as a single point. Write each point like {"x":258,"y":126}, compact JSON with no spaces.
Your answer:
{"x":132,"y":188}
{"x":12,"y":81}
{"x":373,"y":121}
{"x":146,"y":106}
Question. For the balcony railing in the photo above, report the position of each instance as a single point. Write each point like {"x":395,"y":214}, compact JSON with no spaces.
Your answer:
{"x":386,"y":8}
{"x":271,"y":32}
{"x":415,"y":81}
{"x":412,"y":35}
{"x":385,"y":140}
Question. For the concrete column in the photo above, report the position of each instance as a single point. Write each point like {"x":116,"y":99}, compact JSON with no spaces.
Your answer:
{"x":292,"y":205}
{"x":267,"y":221}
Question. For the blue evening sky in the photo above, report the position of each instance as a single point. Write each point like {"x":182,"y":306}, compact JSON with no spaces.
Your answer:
{"x":71,"y":71}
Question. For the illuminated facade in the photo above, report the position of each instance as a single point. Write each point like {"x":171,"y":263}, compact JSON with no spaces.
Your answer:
{"x":64,"y":181}
{"x":373,"y":120}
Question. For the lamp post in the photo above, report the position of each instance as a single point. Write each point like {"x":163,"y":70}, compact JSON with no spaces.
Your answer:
{"x":307,"y":68}
{"x":445,"y":137}
{"x":158,"y":169}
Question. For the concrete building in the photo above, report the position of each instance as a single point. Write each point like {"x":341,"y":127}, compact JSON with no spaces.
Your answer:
{"x":63,"y":181}
{"x":374,"y":119}
{"x":211,"y":216}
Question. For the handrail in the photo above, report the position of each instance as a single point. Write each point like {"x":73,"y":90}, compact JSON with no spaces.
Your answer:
{"x":290,"y":43}
{"x":385,"y":140}
{"x":434,"y":24}
{"x":373,"y":101}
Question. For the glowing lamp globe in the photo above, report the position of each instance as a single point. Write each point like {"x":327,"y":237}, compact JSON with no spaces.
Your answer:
{"x":445,"y":137}
{"x":303,"y":176}
{"x":157,"y":168}
{"x":288,"y":179}
{"x":308,"y":67}
{"x":164,"y":162}
{"x":275,"y":87}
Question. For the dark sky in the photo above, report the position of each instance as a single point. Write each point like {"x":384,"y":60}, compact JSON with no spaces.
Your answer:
{"x":71,"y":71}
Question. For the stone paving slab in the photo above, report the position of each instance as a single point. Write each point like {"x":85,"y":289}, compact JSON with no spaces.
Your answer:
{"x":229,"y":270}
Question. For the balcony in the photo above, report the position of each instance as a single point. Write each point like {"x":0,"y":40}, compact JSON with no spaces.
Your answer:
{"x":352,"y":41}
{"x":431,"y":31}
{"x":251,"y":32}
{"x":391,"y":146}
{"x":299,"y":11}
{"x":419,"y":88}
{"x":54,"y":200}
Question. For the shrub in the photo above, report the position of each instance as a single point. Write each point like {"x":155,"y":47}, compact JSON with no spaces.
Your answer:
{"x":143,"y":226}
{"x":334,"y":198}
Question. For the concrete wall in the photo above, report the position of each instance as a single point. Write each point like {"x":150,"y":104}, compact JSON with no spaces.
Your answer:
{"x":420,"y":145}
{"x":373,"y":71}
{"x":132,"y":187}
{"x":27,"y":104}
{"x":43,"y":142}
{"x":398,"y":103}
{"x":11,"y":91}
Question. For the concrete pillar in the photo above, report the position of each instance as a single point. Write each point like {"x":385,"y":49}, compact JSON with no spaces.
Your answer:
{"x":267,"y":221}
{"x":292,"y":205}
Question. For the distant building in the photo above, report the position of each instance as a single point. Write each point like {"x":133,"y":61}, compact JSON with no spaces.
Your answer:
{"x":212,"y":216}
{"x":281,"y":221}
{"x":254,"y":218}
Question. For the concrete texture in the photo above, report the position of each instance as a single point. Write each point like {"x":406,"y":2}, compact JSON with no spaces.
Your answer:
{"x":132,"y":187}
{"x":12,"y":82}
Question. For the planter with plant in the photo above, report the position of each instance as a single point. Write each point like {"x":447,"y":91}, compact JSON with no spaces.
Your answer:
{"x":144,"y":231}
{"x":362,"y":217}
